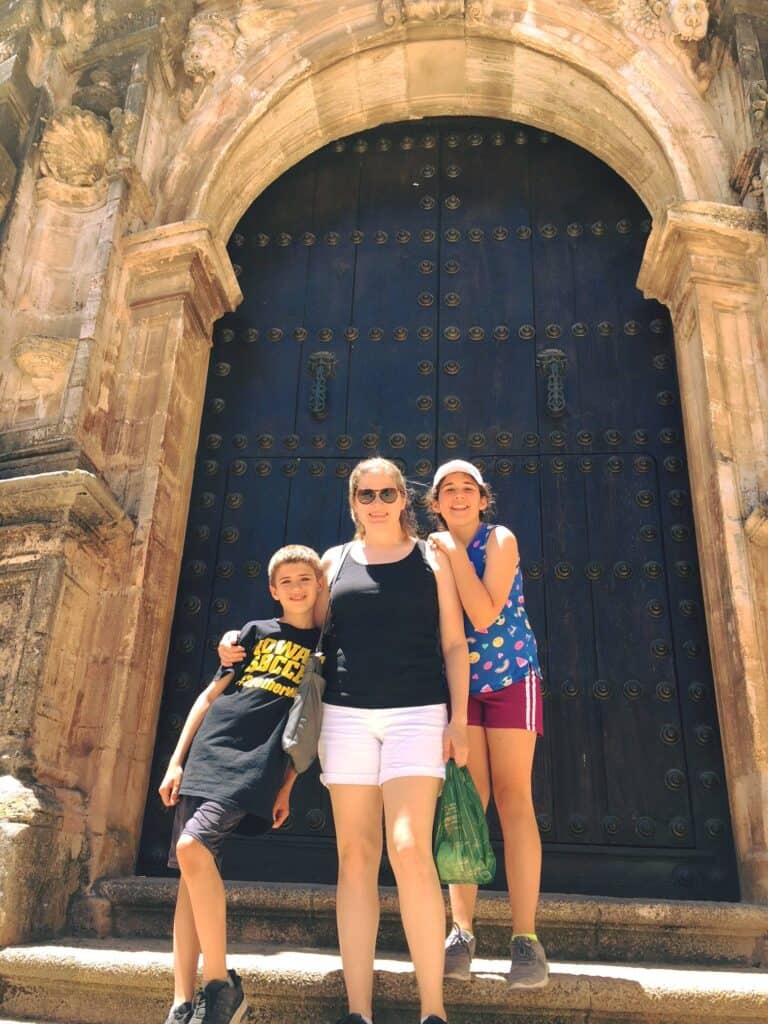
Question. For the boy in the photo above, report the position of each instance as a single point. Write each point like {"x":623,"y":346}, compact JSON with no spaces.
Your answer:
{"x":236,"y":767}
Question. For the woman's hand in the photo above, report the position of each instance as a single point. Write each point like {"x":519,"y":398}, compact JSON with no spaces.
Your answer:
{"x":456,"y":743}
{"x":169,"y":787}
{"x":228,"y":650}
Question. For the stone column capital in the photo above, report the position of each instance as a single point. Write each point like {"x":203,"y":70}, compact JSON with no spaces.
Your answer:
{"x":181,"y":260}
{"x":74,"y":498}
{"x":698,"y":241}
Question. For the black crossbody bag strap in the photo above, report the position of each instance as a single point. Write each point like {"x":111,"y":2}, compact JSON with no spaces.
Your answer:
{"x":327,"y":621}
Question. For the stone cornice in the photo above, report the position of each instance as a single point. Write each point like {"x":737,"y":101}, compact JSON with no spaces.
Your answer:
{"x":154,"y":256}
{"x":731,"y":236}
{"x":67,"y":498}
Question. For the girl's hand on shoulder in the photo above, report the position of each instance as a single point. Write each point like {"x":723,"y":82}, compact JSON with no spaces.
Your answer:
{"x":443,"y":542}
{"x":229,"y":652}
{"x":456,"y":743}
{"x":169,"y":787}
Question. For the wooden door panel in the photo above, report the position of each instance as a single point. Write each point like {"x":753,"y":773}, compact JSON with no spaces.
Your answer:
{"x":322,"y":387}
{"x":571,"y":715}
{"x":392,"y":365}
{"x":257,"y":345}
{"x":640,"y":717}
{"x":487,"y":398}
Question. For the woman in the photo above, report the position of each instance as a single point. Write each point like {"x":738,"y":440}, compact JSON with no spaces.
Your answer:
{"x":505,"y":709}
{"x":396,"y":623}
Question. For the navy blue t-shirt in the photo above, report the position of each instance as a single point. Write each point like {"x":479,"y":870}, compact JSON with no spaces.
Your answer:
{"x":237,"y":758}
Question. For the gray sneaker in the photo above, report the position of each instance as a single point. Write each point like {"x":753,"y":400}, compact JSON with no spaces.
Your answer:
{"x":529,"y":967}
{"x":181,"y":1014}
{"x":459,"y":950}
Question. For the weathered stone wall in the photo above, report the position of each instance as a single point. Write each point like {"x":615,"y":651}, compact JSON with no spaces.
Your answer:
{"x":133,"y":135}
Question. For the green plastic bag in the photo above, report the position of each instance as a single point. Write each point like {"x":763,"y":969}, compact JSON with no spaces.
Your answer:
{"x":462,"y":845}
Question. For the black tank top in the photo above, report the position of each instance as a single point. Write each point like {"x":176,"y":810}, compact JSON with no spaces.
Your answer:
{"x":383,"y":646}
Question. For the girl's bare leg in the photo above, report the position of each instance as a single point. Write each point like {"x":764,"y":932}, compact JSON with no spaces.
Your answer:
{"x":357,"y":818}
{"x":409,"y":810}
{"x":511,"y":758}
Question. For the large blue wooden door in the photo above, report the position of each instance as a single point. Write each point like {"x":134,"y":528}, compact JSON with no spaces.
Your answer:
{"x":466,"y":288}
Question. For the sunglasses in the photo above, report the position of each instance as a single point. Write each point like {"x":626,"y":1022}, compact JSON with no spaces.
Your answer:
{"x":367,"y":495}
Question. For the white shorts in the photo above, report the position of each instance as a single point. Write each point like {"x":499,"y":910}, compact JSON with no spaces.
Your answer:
{"x":370,"y":746}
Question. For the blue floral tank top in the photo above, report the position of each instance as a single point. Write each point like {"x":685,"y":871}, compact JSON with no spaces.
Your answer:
{"x":504,"y":653}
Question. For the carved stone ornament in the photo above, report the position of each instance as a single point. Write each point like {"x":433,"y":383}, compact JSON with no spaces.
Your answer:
{"x":76,"y":147}
{"x":99,"y":94}
{"x":33,"y":387}
{"x":415,"y":11}
{"x":125,"y":131}
{"x":213,"y":46}
{"x":71,"y":25}
{"x":43,"y":358}
{"x":758,"y":105}
{"x":687,"y":20}
{"x":690,"y":19}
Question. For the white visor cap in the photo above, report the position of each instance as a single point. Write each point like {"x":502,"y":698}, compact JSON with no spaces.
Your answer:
{"x":458,"y":466}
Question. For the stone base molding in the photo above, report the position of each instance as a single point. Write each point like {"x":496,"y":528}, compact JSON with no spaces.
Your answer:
{"x":62,"y":536}
{"x":709,"y":264}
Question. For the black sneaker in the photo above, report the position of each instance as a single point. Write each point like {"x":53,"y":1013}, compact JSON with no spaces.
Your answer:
{"x":434,"y":1019}
{"x":181,"y":1014}
{"x":220,"y":1002}
{"x":351,"y":1018}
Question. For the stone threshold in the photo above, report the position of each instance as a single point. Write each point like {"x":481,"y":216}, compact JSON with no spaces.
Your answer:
{"x":103,"y":981}
{"x":577,"y":928}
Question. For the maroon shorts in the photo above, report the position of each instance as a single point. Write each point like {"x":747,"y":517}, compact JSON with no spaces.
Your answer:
{"x":518,"y":706}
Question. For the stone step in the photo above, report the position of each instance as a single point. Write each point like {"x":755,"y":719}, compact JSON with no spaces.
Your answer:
{"x":579,"y":928}
{"x":116,"y":981}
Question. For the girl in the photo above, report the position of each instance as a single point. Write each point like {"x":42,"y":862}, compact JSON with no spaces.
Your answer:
{"x":505,"y":709}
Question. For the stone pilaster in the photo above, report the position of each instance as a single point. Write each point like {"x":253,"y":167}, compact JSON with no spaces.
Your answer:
{"x":143,"y":419}
{"x":707,"y":262}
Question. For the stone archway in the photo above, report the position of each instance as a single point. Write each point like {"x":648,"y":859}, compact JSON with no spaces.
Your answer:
{"x":666,"y":152}
{"x":250,"y":114}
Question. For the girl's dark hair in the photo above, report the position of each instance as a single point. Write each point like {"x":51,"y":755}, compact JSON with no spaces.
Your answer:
{"x":485,"y":514}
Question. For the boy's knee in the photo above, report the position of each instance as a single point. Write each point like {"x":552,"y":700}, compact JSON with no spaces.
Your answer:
{"x":191,"y":854}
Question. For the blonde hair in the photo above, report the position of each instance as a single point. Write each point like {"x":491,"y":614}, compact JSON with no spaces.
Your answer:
{"x":379,"y":465}
{"x":290,"y":555}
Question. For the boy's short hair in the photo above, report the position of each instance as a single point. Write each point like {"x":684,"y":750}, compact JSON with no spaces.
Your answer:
{"x":291,"y":554}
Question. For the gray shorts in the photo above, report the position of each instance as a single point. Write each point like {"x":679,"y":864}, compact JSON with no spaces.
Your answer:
{"x":205,"y":820}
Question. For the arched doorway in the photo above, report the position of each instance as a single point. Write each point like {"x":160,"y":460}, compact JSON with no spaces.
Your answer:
{"x":466,"y":287}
